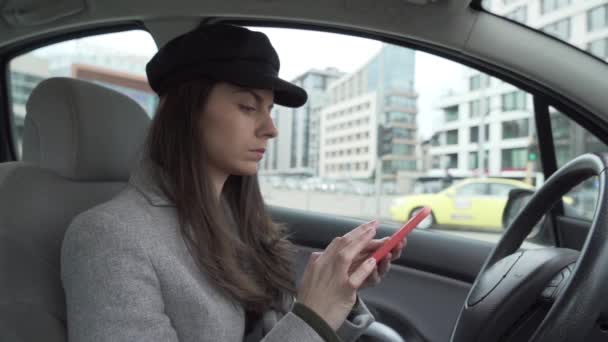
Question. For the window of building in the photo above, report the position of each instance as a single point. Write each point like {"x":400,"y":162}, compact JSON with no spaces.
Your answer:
{"x":400,"y":117}
{"x":515,"y":129}
{"x":475,"y":108}
{"x":473,"y":160}
{"x":597,"y":18}
{"x":451,"y":113}
{"x":403,"y":149}
{"x":435,"y":162}
{"x":547,"y":6}
{"x":452,"y":161}
{"x":475,"y":82}
{"x":515,"y":100}
{"x":400,"y":101}
{"x":452,"y":137}
{"x":519,"y":14}
{"x":474,"y":134}
{"x":403,"y":133}
{"x":598,"y":48}
{"x":514,"y":158}
{"x":559,"y":29}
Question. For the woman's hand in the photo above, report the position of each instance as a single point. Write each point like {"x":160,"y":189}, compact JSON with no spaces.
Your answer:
{"x":383,"y":266}
{"x":331,"y":279}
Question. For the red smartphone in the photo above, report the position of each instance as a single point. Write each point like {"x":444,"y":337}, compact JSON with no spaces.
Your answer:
{"x":401,"y":234}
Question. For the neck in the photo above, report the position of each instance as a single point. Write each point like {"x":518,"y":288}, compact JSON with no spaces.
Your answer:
{"x":218,"y":179}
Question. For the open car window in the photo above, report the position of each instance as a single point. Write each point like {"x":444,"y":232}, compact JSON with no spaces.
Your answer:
{"x":387,"y":129}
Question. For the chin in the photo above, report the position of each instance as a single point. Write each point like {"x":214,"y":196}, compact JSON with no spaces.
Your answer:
{"x":246,"y":170}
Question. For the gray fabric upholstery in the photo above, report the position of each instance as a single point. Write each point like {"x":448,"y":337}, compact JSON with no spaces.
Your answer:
{"x":39,"y":197}
{"x":82,"y":131}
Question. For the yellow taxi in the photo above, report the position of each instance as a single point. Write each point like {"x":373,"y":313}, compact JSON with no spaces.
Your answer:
{"x":470,"y":203}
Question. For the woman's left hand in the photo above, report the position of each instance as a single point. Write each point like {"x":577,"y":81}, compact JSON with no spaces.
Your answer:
{"x":383,"y":266}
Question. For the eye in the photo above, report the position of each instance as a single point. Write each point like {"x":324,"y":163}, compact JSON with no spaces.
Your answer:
{"x":246,"y":108}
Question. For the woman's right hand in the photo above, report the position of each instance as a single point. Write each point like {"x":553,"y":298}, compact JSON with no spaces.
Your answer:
{"x":327,"y":288}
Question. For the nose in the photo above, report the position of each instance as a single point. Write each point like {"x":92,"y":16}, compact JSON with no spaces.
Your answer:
{"x":267,"y":128}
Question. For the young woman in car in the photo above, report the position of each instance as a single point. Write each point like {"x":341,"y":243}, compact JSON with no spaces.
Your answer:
{"x":188,"y":251}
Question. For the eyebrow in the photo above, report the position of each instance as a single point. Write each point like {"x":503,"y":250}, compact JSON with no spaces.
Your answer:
{"x":257,"y":97}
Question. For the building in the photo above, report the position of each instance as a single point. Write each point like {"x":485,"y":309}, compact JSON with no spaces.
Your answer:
{"x":489,"y":118}
{"x":371,"y":117}
{"x":61,"y":56}
{"x":296,"y":149}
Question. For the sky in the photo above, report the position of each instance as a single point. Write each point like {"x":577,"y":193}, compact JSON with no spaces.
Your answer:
{"x":301,"y":50}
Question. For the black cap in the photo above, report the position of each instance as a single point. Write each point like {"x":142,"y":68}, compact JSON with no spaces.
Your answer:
{"x":222,"y":52}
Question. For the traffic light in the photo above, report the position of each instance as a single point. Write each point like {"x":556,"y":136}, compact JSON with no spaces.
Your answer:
{"x":532,"y":151}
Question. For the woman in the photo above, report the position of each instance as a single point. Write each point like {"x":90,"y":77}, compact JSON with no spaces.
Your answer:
{"x":187,"y":252}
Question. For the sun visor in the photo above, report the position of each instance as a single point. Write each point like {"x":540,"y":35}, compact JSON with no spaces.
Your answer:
{"x":19,"y":13}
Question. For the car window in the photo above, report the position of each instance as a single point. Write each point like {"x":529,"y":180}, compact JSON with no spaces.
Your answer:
{"x":115,"y":60}
{"x":475,"y":189}
{"x":500,"y":190}
{"x":572,"y":140}
{"x":580,"y":23}
{"x":387,"y":128}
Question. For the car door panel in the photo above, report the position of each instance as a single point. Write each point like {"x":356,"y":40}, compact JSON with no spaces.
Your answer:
{"x":421,"y":296}
{"x":490,"y":212}
{"x":418,"y":305}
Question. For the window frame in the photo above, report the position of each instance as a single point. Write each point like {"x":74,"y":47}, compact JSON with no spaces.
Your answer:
{"x":484,"y":186}
{"x":588,"y":17}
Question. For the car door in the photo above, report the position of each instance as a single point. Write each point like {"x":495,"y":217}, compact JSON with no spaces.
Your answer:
{"x":468,"y":205}
{"x":495,"y":203}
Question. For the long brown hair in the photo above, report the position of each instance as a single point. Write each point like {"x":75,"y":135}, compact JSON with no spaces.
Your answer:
{"x":234,"y":240}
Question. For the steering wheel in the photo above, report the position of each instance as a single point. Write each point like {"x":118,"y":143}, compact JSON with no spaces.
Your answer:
{"x":541,"y":295}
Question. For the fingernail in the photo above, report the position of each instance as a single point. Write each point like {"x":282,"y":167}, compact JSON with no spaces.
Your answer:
{"x":371,"y":261}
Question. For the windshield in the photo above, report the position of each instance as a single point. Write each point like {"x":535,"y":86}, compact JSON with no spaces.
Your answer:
{"x":581,"y":23}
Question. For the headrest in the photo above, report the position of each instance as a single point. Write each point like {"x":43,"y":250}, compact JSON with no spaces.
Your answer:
{"x":83,"y":131}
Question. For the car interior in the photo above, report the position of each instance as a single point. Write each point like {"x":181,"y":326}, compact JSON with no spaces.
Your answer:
{"x":80,"y":140}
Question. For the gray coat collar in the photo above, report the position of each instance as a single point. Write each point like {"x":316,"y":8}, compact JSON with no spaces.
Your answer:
{"x":142,"y":178}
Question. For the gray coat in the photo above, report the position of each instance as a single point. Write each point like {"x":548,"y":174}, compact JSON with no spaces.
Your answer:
{"x":128,"y":276}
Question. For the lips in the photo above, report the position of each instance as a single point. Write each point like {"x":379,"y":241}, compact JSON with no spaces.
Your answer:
{"x":260,"y":150}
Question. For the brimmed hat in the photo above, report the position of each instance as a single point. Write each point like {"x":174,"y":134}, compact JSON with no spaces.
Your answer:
{"x":222,"y":52}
